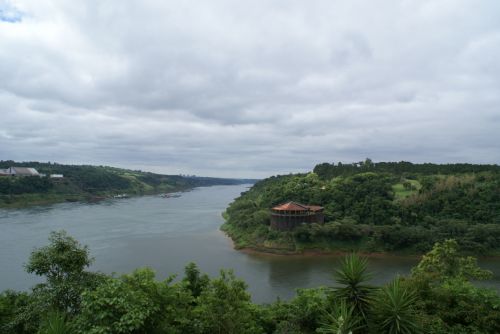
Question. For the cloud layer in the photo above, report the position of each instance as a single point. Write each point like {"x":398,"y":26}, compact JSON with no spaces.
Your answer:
{"x":249,"y":88}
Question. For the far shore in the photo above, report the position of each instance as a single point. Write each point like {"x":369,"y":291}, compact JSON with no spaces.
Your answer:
{"x":36,"y":199}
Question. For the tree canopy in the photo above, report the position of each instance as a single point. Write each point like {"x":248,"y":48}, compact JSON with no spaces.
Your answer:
{"x":376,"y":207}
{"x":438,"y":297}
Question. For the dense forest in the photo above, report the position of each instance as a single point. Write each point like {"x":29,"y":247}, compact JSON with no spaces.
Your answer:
{"x":438,"y":297}
{"x":376,"y":207}
{"x":82,"y":182}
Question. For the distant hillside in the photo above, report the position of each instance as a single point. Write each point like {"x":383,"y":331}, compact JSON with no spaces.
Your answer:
{"x":84,"y":182}
{"x":386,"y":206}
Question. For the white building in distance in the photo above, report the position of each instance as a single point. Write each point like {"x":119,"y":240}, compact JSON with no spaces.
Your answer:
{"x":19,"y":171}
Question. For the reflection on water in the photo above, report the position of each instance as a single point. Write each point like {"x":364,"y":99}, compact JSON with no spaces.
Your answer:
{"x":167,"y":233}
{"x":286,"y":273}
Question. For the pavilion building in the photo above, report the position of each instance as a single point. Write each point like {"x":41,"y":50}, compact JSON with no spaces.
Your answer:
{"x":290,"y":215}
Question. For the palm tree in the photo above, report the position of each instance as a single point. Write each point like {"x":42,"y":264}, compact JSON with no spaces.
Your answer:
{"x":341,"y":320}
{"x":394,"y":309}
{"x":55,"y":323}
{"x":352,"y":278}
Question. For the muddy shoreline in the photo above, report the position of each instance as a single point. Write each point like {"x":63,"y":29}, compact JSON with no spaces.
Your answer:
{"x":319,"y":252}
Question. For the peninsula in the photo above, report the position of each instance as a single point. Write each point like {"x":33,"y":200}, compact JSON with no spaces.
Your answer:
{"x":368,"y":207}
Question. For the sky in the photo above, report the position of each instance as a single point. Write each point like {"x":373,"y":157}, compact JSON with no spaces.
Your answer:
{"x":252,"y":88}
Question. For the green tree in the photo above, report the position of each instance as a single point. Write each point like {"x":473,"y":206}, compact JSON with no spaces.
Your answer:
{"x":135,"y":303}
{"x":224,"y":307}
{"x":341,"y":320}
{"x":55,"y":323}
{"x":394,"y":309}
{"x":195,"y":281}
{"x":444,"y":261}
{"x":352,"y":278}
{"x":114,"y":308}
{"x":306,"y":308}
{"x":442,"y":280}
{"x":62,"y":263}
{"x":11,"y":305}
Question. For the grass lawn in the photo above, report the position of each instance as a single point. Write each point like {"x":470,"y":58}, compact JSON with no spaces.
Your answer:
{"x":401,"y":192}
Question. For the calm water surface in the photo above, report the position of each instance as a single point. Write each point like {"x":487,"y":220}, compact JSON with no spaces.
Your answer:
{"x":167,"y":233}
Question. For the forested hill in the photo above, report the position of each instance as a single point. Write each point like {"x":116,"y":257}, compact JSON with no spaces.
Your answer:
{"x":328,"y":171}
{"x":384,"y":206}
{"x":82,"y":182}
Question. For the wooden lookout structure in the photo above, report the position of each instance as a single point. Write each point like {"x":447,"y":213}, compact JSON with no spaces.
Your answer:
{"x":289,"y":215}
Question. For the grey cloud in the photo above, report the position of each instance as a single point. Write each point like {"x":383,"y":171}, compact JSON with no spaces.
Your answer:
{"x":250,"y":88}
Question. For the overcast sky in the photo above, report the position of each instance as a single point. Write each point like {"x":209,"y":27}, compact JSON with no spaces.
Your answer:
{"x":249,"y":88}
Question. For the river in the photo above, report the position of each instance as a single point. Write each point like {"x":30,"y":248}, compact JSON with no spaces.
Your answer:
{"x":167,"y":233}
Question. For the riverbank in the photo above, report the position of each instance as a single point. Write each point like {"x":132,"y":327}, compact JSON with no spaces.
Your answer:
{"x":319,"y":252}
{"x":29,"y":200}
{"x":80,"y":183}
{"x":284,"y":243}
{"x":314,"y":252}
{"x":255,"y":242}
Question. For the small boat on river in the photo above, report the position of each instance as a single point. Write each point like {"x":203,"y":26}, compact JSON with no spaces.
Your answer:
{"x":170,"y":195}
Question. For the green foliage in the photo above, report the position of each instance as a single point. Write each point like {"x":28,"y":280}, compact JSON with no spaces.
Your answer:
{"x":352,"y":278}
{"x":377,"y":207}
{"x":402,"y":168}
{"x":94,"y":180}
{"x":464,"y":307}
{"x":115,"y":308}
{"x":341,"y":320}
{"x":62,"y":258}
{"x":306,"y":308}
{"x":444,"y":261}
{"x":472,"y":198}
{"x":63,"y":264}
{"x":11,"y":304}
{"x":21,"y":185}
{"x":366,"y":197}
{"x":302,"y":314}
{"x":442,"y":281}
{"x":437,"y":298}
{"x":394,"y":309}
{"x":134,"y":303}
{"x":225,"y":307}
{"x":55,"y":323}
{"x":406,"y":188}
{"x":194,"y":281}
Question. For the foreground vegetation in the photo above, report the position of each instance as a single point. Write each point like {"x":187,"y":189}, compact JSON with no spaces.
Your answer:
{"x":437,"y":297}
{"x":90,"y":183}
{"x":376,"y":207}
